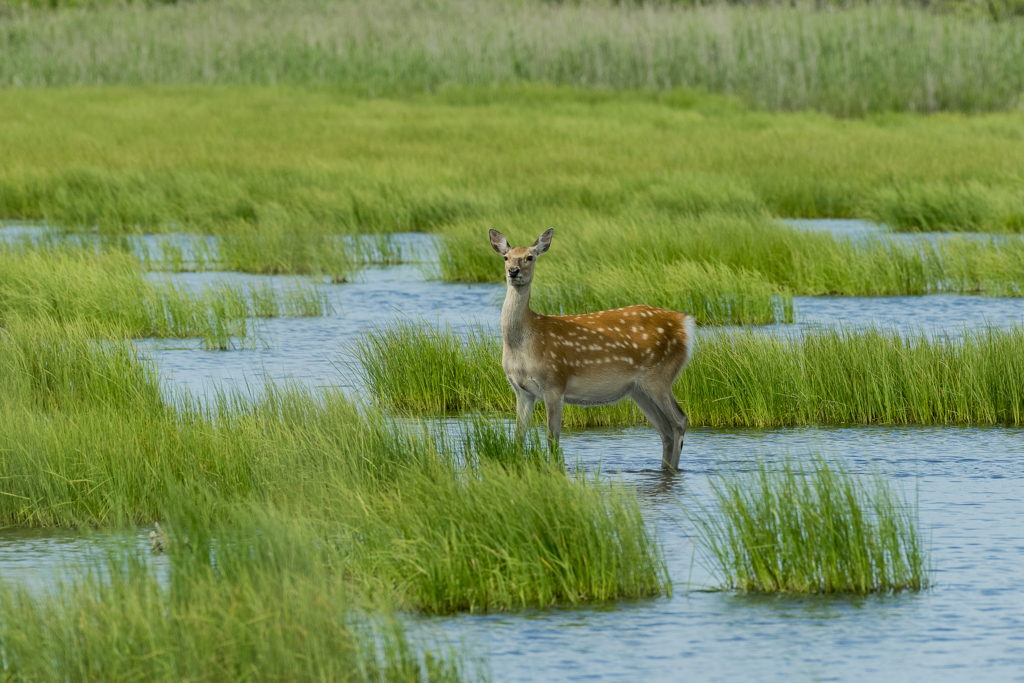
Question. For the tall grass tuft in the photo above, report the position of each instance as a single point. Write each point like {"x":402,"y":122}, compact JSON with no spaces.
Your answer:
{"x":254,"y":594}
{"x":737,"y":378}
{"x":430,"y":521}
{"x":822,"y":530}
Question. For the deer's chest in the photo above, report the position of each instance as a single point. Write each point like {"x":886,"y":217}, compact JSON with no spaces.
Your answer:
{"x":522,"y":370}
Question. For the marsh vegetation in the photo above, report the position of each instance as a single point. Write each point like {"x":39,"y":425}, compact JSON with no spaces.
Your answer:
{"x":738,"y":378}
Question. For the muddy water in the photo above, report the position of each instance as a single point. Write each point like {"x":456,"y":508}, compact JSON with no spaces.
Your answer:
{"x":969,"y":482}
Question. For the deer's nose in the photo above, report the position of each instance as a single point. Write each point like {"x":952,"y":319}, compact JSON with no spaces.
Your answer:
{"x":513,"y":272}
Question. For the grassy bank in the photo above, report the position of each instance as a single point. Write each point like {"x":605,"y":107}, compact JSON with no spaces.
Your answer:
{"x":740,"y":379}
{"x":296,"y":163}
{"x":428,"y":521}
{"x":868,"y":59}
{"x":816,"y":530}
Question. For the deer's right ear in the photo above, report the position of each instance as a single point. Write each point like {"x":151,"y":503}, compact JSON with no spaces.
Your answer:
{"x":499,"y":242}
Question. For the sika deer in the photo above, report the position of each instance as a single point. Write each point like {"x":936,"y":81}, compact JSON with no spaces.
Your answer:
{"x":591,"y":359}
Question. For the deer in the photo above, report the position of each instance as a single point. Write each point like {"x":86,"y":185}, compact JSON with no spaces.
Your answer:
{"x":590,"y":359}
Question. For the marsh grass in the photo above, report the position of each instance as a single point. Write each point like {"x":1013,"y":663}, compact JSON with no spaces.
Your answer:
{"x":873,"y":58}
{"x":726,"y":268}
{"x":817,"y":529}
{"x":736,"y":378}
{"x":66,"y":283}
{"x":256,"y":590}
{"x":424,"y":520}
{"x":714,"y":294}
{"x":522,"y":156}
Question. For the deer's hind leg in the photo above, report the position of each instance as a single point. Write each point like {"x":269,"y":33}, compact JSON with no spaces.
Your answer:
{"x":666,"y":401}
{"x":657,"y":417}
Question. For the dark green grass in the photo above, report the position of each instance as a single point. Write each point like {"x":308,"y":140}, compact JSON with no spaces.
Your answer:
{"x":816,"y":529}
{"x":426,"y":521}
{"x":736,"y":379}
{"x":254,"y":596}
{"x":874,"y":58}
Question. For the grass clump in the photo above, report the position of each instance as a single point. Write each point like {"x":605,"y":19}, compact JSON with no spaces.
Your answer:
{"x":713,"y":262}
{"x":253,"y":594}
{"x":822,"y":530}
{"x":429,"y":521}
{"x":68,"y":283}
{"x":736,"y":378}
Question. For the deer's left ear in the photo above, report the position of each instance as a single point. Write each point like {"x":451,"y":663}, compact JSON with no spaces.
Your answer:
{"x":543,"y":242}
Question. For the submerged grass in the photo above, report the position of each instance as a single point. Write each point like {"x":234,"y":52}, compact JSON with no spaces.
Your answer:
{"x":817,"y":530}
{"x":426,"y":520}
{"x":736,"y":378}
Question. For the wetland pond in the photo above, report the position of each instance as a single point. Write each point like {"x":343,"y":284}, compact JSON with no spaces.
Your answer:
{"x":968,"y":482}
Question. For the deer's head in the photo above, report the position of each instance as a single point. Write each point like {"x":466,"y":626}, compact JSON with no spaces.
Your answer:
{"x":519,"y":261}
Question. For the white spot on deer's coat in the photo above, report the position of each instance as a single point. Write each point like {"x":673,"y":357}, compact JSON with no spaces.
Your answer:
{"x":660,"y":330}
{"x":645,"y":336}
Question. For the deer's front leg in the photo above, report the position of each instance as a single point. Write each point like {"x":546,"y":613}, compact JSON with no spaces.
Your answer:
{"x":553,"y":408}
{"x":524,"y":412}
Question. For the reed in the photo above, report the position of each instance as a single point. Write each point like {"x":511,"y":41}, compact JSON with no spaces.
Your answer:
{"x":737,"y":378}
{"x":225,"y":159}
{"x":818,"y":530}
{"x":873,"y":58}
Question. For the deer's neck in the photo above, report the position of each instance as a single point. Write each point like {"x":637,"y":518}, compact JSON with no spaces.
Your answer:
{"x":516,"y":316}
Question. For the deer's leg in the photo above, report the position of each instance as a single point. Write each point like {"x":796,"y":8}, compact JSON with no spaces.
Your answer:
{"x":666,"y":400}
{"x":553,"y":408}
{"x":524,"y":412}
{"x":661,"y":423}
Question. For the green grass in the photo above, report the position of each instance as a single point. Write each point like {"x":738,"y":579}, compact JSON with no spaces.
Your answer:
{"x":725,"y":268}
{"x":817,"y":530}
{"x":270,"y":607}
{"x":874,"y":58}
{"x":736,"y":379}
{"x":425,"y":521}
{"x":292,"y":164}
{"x":109,"y":288}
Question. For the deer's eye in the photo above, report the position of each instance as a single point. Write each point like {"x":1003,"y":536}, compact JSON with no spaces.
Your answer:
{"x":529,"y":258}
{"x":506,"y":258}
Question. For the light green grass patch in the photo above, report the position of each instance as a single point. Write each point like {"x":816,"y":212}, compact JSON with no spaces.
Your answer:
{"x":295,"y":160}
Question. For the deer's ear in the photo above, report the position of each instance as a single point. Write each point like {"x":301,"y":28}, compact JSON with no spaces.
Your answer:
{"x":543,"y":242}
{"x":499,"y":242}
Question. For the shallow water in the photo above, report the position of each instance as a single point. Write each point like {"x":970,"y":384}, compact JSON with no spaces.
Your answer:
{"x":968,"y":482}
